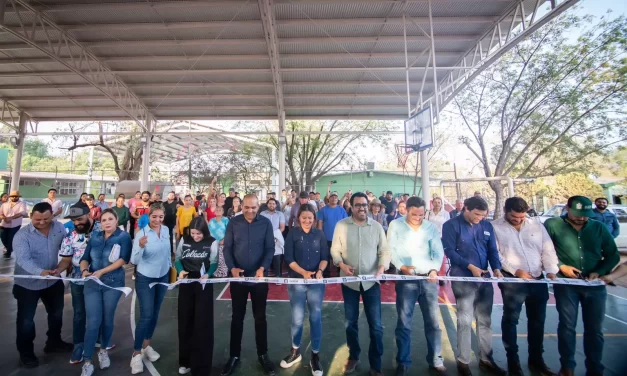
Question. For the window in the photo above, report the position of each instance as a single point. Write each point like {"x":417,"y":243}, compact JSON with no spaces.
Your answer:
{"x":68,"y":188}
{"x":31,"y":183}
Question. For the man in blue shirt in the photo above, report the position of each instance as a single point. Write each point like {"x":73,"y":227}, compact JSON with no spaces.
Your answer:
{"x":248,"y":252}
{"x":390,"y":203}
{"x":470,"y":243}
{"x":328,"y":217}
{"x":417,"y":250}
{"x":605,"y":216}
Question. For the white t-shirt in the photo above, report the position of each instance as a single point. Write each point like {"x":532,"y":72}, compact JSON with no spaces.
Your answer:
{"x":438,"y":219}
{"x":56,"y":204}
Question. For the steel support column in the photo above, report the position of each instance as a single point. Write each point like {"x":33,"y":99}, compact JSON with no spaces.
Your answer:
{"x":145,"y":178}
{"x":282,"y":151}
{"x":19,"y":152}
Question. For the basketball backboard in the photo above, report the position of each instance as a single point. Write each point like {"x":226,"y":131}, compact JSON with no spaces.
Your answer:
{"x":419,"y":131}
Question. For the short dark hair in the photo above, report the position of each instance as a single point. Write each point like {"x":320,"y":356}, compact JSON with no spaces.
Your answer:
{"x":90,"y":196}
{"x":405,"y":194}
{"x":473,"y":203}
{"x":303,"y":194}
{"x":138,"y":192}
{"x":602,"y":198}
{"x":358,"y":194}
{"x":197,"y":223}
{"x":52,"y":190}
{"x":312,"y":193}
{"x":389,"y":193}
{"x":415,"y":202}
{"x":41,"y":207}
{"x":146,"y":192}
{"x":101,"y":194}
{"x":516,"y":204}
{"x":271,"y":199}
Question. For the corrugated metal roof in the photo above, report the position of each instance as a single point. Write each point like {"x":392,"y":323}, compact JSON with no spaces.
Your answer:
{"x":209,"y":58}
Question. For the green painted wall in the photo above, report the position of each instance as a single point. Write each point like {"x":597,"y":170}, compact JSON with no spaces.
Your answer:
{"x":374,"y":181}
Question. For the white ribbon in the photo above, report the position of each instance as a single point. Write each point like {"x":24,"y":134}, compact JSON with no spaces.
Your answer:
{"x":125,"y":290}
{"x":382,"y":277}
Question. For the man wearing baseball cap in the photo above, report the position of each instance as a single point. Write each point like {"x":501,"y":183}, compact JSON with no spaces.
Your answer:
{"x":586,"y":250}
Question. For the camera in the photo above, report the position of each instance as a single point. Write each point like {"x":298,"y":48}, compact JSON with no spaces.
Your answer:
{"x":333,"y":181}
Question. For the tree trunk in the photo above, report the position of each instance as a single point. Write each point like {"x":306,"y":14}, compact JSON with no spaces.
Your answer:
{"x":497,"y":187}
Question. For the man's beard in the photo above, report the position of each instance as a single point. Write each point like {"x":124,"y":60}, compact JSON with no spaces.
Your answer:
{"x":82,"y":228}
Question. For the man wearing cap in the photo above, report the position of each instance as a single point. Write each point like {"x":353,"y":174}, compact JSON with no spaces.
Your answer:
{"x":11,"y":214}
{"x":390,"y":203}
{"x":586,"y":250}
{"x":57,"y":205}
{"x":328,"y":217}
{"x":36,"y":248}
{"x":71,"y":252}
{"x":303,"y":199}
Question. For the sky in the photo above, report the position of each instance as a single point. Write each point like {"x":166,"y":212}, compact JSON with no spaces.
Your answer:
{"x":457,"y":153}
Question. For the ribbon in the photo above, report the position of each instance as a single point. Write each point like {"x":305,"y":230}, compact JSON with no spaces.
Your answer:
{"x":125,"y":290}
{"x":382,"y":277}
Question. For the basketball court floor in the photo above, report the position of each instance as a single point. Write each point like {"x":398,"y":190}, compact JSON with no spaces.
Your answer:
{"x":333,"y":353}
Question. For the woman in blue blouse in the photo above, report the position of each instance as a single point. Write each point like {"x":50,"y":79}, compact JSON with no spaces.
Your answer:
{"x":151,"y":254}
{"x":217,"y":225}
{"x":105,"y":255}
{"x":306,"y":253}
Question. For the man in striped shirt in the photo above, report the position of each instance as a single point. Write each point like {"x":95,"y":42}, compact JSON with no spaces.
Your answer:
{"x":525,"y":251}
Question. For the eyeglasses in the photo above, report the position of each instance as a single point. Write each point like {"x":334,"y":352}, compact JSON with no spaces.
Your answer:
{"x":363,"y":206}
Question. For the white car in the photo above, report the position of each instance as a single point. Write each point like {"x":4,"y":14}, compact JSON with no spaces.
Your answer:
{"x":619,"y":210}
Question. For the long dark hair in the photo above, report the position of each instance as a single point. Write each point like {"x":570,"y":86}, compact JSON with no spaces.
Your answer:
{"x":305,"y":208}
{"x":197,"y":223}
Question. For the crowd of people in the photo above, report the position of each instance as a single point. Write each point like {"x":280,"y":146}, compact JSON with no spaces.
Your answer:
{"x":308,"y":235}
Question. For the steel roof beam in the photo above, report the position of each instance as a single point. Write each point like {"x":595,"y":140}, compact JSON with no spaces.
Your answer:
{"x":217,"y":108}
{"x":272,"y":43}
{"x":58,"y":40}
{"x":321,"y":95}
{"x":243,"y":41}
{"x":399,"y":116}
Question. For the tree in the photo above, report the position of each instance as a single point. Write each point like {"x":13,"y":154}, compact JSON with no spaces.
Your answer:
{"x":557,"y":189}
{"x":549,"y":105}
{"x":312,"y":155}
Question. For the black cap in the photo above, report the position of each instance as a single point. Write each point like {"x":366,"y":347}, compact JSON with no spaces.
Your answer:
{"x":77,"y":211}
{"x":304,"y":194}
{"x":389,"y":193}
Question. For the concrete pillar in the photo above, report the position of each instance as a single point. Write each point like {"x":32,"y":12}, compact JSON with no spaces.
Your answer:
{"x":424,"y":176}
{"x":145,"y":177}
{"x":19,"y":152}
{"x":282,"y":151}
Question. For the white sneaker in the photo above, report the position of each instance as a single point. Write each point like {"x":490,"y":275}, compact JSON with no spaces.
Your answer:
{"x":137,"y":366}
{"x":103,"y":359}
{"x":88,"y":369}
{"x":151,"y":354}
{"x":184,"y":370}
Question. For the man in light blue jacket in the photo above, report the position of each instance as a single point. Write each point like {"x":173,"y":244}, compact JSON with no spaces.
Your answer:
{"x":417,"y":250}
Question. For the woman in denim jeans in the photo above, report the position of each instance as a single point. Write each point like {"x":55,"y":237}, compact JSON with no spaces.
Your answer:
{"x":151,"y":254}
{"x":306,"y":253}
{"x":105,"y":255}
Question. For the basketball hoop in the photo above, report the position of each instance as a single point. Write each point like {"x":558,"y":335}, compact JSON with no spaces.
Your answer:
{"x":402,"y":153}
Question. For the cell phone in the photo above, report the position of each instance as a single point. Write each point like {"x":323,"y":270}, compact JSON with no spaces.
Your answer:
{"x":333,"y":181}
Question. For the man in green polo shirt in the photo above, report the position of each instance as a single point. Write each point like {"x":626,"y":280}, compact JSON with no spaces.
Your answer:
{"x":585,"y":249}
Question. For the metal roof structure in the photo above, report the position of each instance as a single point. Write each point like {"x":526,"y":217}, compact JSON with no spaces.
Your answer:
{"x":150,"y":60}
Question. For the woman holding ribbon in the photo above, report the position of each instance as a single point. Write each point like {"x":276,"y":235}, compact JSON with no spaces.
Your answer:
{"x":195,"y":259}
{"x":105,"y":255}
{"x":151,"y":254}
{"x":306,"y":253}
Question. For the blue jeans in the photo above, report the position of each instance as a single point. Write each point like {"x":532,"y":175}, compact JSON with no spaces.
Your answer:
{"x":535,"y":297}
{"x":312,"y":295}
{"x":372,"y":308}
{"x":473,"y":299}
{"x":150,"y":300}
{"x":100,"y":303}
{"x":592,"y":299}
{"x":426,"y":293}
{"x":78,"y":307}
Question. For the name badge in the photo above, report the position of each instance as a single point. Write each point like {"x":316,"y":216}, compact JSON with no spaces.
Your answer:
{"x":486,"y":233}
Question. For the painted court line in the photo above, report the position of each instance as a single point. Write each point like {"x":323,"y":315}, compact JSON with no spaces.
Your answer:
{"x":223,"y":291}
{"x":608,"y":316}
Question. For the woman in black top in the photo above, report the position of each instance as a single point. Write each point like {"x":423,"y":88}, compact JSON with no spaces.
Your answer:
{"x":195,"y":312}
{"x":306,"y":253}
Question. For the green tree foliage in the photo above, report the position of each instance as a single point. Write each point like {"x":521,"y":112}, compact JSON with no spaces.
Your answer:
{"x":551,"y":104}
{"x":557,"y":189}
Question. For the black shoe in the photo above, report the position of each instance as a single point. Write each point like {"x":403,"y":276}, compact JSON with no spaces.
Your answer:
{"x":439,"y":370}
{"x":291,"y":359}
{"x":541,"y":368}
{"x":314,"y":363}
{"x":267,"y":365}
{"x":7,"y":256}
{"x":401,"y":370}
{"x":463,"y":369}
{"x":58,"y":347}
{"x":29,"y":362}
{"x":491,"y":367}
{"x":514,"y":369}
{"x":230,"y":366}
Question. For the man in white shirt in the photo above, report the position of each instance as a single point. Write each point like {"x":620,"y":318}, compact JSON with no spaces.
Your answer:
{"x":11,"y":214}
{"x":438,"y":216}
{"x":525,"y":251}
{"x":57,"y":205}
